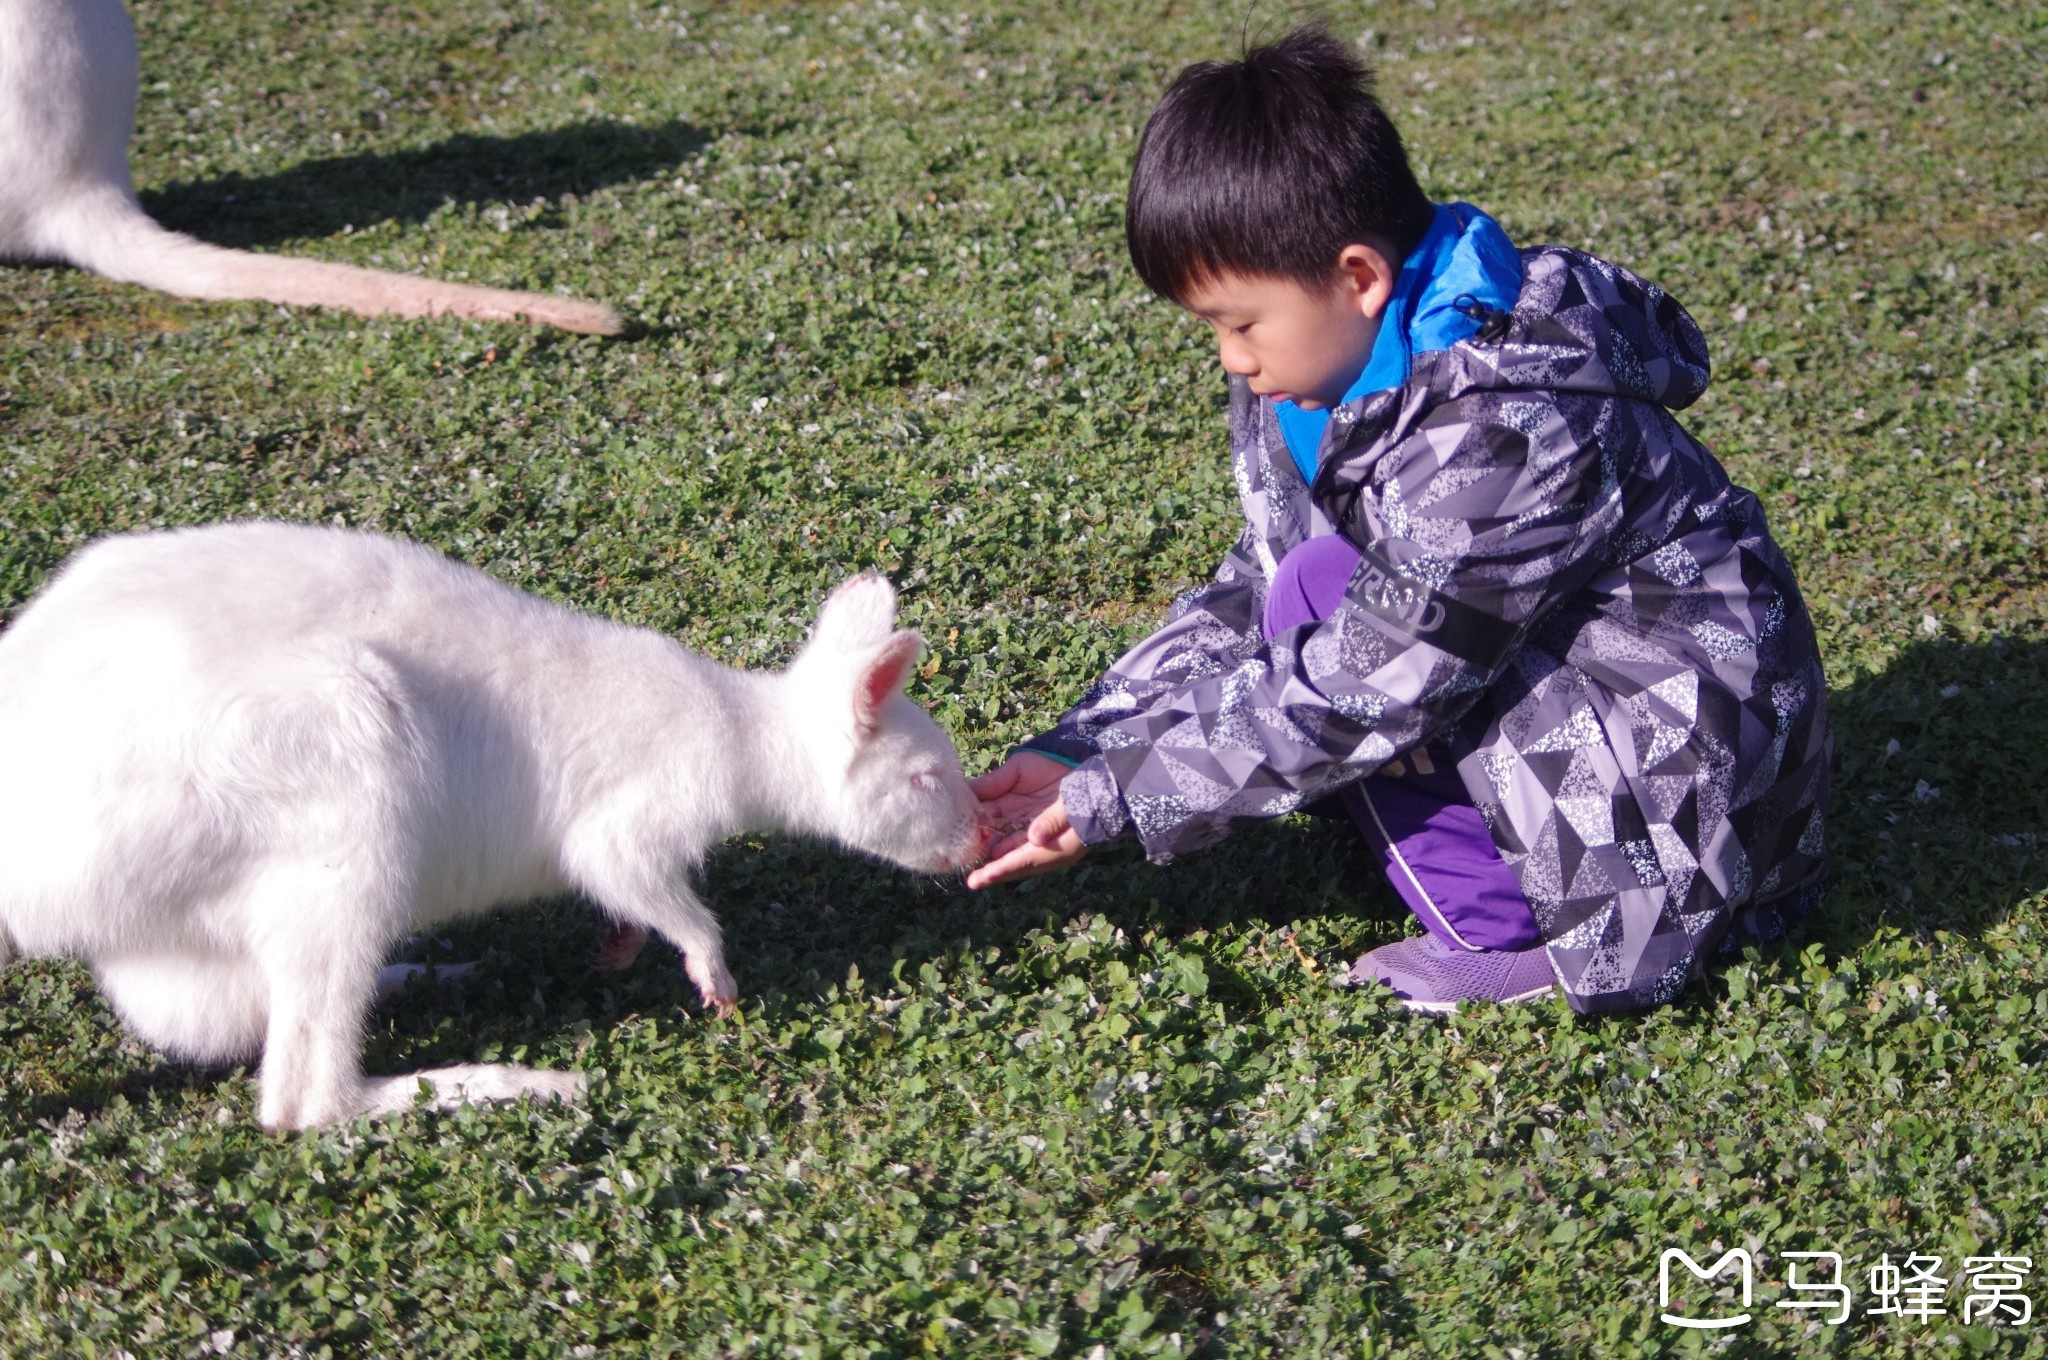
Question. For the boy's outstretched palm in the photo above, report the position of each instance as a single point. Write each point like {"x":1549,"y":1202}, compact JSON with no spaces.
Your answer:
{"x":1033,"y":836}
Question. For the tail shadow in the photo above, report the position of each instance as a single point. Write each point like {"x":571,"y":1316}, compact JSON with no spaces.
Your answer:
{"x":320,"y":197}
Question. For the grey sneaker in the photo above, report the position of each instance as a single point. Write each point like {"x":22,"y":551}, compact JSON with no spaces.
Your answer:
{"x":1429,"y":975}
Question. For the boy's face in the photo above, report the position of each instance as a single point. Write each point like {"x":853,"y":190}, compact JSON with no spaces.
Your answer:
{"x":1291,"y":342}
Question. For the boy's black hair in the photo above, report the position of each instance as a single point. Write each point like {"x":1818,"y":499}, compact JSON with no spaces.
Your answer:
{"x":1269,"y":166}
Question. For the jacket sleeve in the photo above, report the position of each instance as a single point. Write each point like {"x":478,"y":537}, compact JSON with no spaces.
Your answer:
{"x":1210,"y":630}
{"x":1482,"y":518}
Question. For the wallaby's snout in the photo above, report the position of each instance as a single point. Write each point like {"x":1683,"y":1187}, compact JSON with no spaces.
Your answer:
{"x":984,"y":836}
{"x":971,"y":848}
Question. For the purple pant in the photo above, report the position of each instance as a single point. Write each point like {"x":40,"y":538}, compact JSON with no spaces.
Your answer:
{"x":1432,"y":843}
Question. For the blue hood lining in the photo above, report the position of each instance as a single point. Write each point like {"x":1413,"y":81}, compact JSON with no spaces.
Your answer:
{"x":1465,"y":258}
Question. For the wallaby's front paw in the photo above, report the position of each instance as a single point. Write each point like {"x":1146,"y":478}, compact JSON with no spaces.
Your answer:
{"x":619,"y":949}
{"x":715,"y":986}
{"x":723,"y":1003}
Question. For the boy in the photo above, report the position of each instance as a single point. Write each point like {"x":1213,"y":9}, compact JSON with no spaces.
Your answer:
{"x":1489,"y":594}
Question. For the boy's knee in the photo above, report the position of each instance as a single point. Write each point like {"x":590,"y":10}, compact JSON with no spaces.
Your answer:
{"x":1309,"y":583}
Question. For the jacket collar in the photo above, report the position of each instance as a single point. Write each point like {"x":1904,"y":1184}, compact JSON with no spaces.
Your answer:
{"x":1463,"y":265}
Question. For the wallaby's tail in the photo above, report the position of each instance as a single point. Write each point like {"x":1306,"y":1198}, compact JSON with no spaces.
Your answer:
{"x":107,"y":231}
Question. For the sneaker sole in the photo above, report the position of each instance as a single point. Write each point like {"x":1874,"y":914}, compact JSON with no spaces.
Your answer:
{"x":1446,"y":1007}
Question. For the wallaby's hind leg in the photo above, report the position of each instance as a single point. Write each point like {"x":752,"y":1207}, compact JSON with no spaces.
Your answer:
{"x":321,"y":934}
{"x":207,"y":1008}
{"x":322,"y":918}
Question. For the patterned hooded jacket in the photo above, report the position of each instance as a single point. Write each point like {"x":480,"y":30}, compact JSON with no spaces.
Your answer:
{"x":1561,"y":590}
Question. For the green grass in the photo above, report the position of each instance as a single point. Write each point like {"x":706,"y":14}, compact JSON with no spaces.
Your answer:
{"x":879,"y":317}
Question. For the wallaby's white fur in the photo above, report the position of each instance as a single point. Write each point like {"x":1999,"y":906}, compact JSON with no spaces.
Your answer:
{"x":68,"y":75}
{"x":239,"y":763}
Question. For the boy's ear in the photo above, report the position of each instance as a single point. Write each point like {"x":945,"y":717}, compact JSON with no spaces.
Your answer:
{"x":1368,"y":273}
{"x":881,"y":676}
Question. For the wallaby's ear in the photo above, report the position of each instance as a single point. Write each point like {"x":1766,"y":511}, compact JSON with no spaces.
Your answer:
{"x":856,"y":638}
{"x":858,"y":615}
{"x":882,"y":675}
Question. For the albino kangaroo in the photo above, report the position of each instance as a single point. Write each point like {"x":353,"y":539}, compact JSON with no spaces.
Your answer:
{"x":239,"y":763}
{"x":67,"y":106}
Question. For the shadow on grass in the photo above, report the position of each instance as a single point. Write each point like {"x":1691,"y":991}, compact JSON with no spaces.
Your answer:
{"x":1939,"y":820}
{"x":1940,"y":824}
{"x":1946,"y":831}
{"x":166,"y":1078}
{"x":320,"y":197}
{"x":799,"y":916}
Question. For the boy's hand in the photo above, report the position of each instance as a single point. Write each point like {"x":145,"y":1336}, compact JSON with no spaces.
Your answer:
{"x":1025,"y":785}
{"x":1032,"y":833}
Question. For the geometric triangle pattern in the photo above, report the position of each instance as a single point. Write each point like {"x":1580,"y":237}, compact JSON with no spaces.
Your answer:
{"x":1558,"y":586}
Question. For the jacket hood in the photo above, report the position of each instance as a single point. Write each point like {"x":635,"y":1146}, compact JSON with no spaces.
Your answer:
{"x":1580,"y":324}
{"x":1580,"y":327}
{"x":1473,"y":314}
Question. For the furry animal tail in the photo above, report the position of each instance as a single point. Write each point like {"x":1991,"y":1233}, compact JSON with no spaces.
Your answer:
{"x":107,"y":231}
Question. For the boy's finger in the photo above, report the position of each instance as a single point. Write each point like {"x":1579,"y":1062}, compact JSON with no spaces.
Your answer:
{"x":1048,"y":827}
{"x":995,"y":783}
{"x":1028,"y":861}
{"x":1004,"y":845}
{"x":1062,"y":844}
{"x":1021,"y":804}
{"x":998,"y":870}
{"x":1023,"y":861}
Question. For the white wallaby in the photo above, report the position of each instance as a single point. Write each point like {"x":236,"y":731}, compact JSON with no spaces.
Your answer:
{"x":68,"y":74}
{"x":238,"y":764}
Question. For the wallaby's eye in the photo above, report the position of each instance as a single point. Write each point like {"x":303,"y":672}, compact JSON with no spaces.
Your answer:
{"x":925,"y":782}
